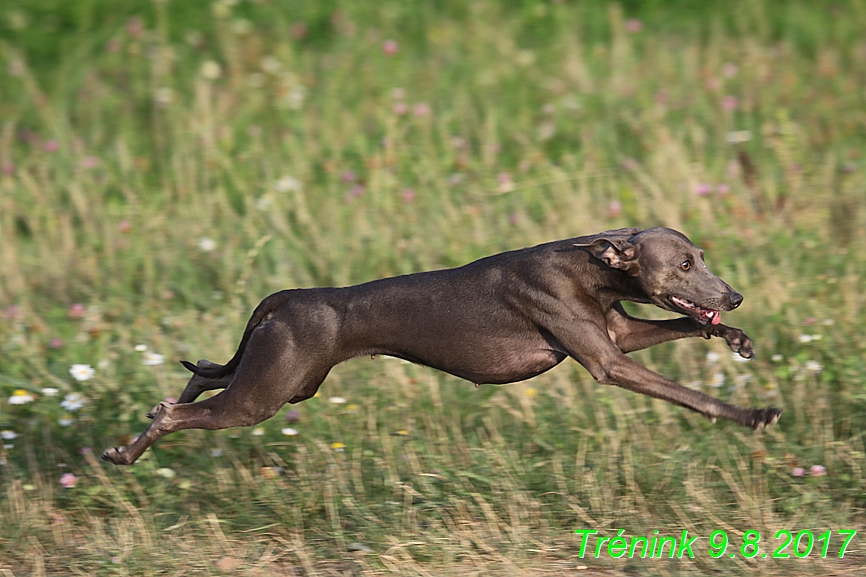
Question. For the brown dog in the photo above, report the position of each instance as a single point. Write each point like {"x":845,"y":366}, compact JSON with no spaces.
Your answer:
{"x":501,"y":319}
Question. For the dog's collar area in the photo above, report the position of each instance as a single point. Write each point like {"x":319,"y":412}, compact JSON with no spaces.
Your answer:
{"x":703,"y":315}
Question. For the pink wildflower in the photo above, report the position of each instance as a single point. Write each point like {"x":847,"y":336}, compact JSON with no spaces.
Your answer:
{"x":76,"y":311}
{"x":298,"y":30}
{"x":135,"y":27}
{"x":729,"y":70}
{"x":713,"y":84}
{"x":703,"y":189}
{"x":68,"y":480}
{"x":633,"y":25}
{"x":421,"y":109}
{"x":89,"y":162}
{"x":390,"y":47}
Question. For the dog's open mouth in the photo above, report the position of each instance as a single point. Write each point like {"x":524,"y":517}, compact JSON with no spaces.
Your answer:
{"x":700,"y":313}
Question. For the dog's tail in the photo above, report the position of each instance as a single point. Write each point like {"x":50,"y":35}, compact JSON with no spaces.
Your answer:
{"x":264,"y":309}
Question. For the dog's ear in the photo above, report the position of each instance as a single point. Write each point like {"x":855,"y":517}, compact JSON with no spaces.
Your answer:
{"x":616,"y":253}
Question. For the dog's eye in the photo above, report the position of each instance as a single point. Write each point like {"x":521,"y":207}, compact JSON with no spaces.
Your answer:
{"x":686,"y":265}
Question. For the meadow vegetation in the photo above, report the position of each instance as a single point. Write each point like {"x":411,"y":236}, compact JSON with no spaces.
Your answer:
{"x":165,"y":165}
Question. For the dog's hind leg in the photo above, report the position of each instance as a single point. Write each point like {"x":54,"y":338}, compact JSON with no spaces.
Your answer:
{"x":271,"y":373}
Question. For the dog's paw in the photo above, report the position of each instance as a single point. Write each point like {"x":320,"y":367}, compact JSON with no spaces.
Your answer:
{"x":765,"y":417}
{"x":115,"y":455}
{"x":737,"y":340}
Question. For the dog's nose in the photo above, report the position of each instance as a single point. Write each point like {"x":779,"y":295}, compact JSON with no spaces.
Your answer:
{"x":736,"y":298}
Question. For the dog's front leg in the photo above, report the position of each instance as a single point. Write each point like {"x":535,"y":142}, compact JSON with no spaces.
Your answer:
{"x":610,"y":366}
{"x":633,"y":334}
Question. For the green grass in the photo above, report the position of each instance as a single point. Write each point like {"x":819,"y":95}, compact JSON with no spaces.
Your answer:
{"x":131,"y":132}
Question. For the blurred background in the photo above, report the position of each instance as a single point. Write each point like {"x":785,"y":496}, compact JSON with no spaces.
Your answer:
{"x":165,"y":165}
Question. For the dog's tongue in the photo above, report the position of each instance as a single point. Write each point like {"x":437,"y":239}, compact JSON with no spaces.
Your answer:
{"x":717,"y":317}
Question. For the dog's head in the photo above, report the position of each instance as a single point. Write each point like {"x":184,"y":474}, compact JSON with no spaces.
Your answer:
{"x":669,"y":270}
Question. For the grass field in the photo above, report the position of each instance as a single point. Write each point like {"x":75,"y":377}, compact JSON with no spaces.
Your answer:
{"x":165,"y":165}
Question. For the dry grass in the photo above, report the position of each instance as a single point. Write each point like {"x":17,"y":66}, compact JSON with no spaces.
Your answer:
{"x":294,"y":159}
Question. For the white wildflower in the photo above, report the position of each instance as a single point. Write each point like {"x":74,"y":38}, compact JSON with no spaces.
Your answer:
{"x":164,"y":96}
{"x":814,"y":366}
{"x":713,"y":357}
{"x":805,"y":339}
{"x":290,"y":432}
{"x":207,"y":244}
{"x":211,"y":70}
{"x":718,"y":380}
{"x":295,"y":98}
{"x":72,"y":402}
{"x":264,"y":202}
{"x":166,"y":473}
{"x":8,"y":435}
{"x":287,"y":183}
{"x":49,"y":391}
{"x":82,"y":372}
{"x":270,"y":64}
{"x":152,"y":359}
{"x":738,"y":136}
{"x":21,"y":397}
{"x":337,"y":400}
